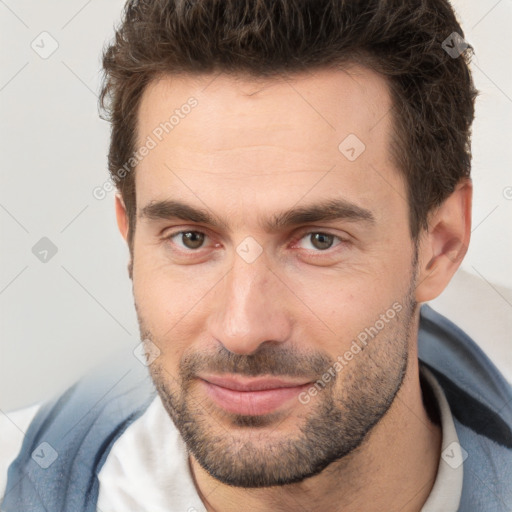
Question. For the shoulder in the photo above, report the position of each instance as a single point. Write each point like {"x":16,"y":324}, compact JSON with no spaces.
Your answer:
{"x":74,"y":431}
{"x":13,"y":425}
{"x":480,"y":400}
{"x":478,"y":393}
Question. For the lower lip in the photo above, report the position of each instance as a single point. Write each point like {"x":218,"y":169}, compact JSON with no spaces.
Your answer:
{"x":251,"y":402}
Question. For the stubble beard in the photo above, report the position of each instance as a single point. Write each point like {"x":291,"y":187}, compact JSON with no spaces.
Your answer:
{"x":252,"y":451}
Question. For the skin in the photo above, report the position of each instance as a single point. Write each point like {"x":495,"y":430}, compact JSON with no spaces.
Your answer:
{"x":249,"y":150}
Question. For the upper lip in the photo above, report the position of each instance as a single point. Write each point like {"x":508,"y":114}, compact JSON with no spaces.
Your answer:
{"x":238,"y":383}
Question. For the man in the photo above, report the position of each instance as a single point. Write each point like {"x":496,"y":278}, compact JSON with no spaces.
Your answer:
{"x":294,"y":182}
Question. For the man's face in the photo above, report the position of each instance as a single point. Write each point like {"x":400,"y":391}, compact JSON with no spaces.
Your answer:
{"x":259,"y":294}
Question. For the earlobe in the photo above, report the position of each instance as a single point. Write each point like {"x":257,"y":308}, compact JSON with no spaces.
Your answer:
{"x":443,"y":247}
{"x":121,"y":216}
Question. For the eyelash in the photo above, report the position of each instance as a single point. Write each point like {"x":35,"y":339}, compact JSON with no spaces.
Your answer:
{"x":296,"y":239}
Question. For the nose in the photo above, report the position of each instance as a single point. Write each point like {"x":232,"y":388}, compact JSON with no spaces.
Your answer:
{"x":251,"y":308}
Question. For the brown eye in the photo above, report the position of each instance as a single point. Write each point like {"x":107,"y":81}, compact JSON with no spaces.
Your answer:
{"x":321,"y":241}
{"x":191,"y":239}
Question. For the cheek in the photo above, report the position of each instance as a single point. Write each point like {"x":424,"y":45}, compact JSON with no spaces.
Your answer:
{"x":171,"y":300}
{"x":344,"y":305}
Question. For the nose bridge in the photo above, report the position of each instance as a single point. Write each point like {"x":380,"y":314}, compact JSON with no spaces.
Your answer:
{"x":248,"y":310}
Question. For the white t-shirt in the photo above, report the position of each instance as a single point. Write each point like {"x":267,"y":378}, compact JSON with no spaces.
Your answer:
{"x":147,"y":467}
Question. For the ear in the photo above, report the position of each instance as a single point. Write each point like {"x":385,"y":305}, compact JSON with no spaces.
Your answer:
{"x":122,"y":217}
{"x":123,"y":225}
{"x":443,"y":247}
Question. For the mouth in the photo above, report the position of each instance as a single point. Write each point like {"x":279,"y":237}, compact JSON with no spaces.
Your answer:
{"x":251,"y":396}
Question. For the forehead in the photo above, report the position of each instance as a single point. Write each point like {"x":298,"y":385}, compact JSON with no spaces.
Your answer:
{"x":271,"y":140}
{"x":325,"y":101}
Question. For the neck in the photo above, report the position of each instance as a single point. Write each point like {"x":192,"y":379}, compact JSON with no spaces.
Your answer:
{"x":393,"y":469}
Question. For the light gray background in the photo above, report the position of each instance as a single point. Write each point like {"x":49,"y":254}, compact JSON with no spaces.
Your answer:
{"x":59,"y":318}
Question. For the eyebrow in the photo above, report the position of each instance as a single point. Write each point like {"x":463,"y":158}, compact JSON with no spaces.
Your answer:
{"x":327,"y":210}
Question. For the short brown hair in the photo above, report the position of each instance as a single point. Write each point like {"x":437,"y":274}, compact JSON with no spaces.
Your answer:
{"x":432,"y":91}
